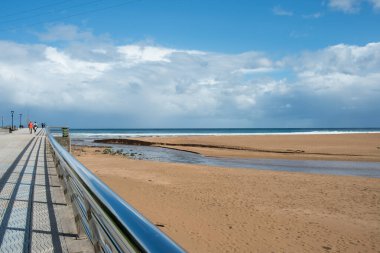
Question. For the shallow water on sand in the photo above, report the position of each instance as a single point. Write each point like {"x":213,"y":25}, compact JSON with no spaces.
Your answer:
{"x":366,"y":169}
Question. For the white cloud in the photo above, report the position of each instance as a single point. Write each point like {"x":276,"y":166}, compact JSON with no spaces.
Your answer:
{"x":245,"y":101}
{"x":376,"y":3}
{"x":168,"y":81}
{"x":254,"y":70}
{"x":354,"y":60}
{"x":352,"y":6}
{"x":139,"y":54}
{"x":279,"y":11}
{"x":158,"y":84}
{"x":344,"y":79}
{"x":62,"y":64}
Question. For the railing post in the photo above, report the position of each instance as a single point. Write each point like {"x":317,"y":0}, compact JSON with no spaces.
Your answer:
{"x":79,"y":221}
{"x":75,"y":200}
{"x":95,"y":237}
{"x":66,"y":138}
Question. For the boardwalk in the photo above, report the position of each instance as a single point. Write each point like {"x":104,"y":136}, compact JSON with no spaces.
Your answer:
{"x":34,"y":215}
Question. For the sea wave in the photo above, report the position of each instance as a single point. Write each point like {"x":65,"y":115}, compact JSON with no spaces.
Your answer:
{"x":153,"y":134}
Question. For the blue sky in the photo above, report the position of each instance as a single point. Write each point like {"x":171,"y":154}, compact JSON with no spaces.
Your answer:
{"x":178,"y":63}
{"x":278,"y":27}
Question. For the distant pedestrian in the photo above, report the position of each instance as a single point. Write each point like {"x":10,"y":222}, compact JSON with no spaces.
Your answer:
{"x":30,"y":126}
{"x":35,"y":126}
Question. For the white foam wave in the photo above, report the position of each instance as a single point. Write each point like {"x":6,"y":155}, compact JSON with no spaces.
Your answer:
{"x":123,"y":135}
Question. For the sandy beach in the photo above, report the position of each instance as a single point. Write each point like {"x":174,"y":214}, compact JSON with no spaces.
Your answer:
{"x":345,"y":147}
{"x":213,"y":209}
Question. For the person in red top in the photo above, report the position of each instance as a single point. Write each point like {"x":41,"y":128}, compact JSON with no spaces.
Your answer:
{"x":30,"y":126}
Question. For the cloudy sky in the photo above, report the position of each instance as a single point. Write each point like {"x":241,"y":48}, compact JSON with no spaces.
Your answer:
{"x":198,"y":63}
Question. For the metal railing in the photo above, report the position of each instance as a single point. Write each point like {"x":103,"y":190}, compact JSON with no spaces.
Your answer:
{"x":109,"y":222}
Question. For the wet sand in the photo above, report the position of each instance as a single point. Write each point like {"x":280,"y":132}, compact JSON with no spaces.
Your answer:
{"x":213,"y":209}
{"x":346,"y":147}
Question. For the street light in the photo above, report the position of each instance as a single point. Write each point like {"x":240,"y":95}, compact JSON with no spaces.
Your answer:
{"x":12,"y":112}
{"x":20,"y":120}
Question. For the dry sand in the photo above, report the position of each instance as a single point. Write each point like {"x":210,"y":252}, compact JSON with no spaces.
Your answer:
{"x":211,"y":209}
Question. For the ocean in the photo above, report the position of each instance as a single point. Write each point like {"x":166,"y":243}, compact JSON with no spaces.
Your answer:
{"x":126,"y":132}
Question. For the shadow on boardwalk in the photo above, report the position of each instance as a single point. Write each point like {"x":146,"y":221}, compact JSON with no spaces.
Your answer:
{"x":34,"y":215}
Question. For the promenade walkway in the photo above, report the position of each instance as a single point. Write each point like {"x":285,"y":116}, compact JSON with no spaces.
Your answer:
{"x":34,"y":215}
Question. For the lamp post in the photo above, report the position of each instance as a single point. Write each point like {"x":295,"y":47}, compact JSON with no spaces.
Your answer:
{"x":12,"y":112}
{"x":20,"y":120}
{"x":2,"y":122}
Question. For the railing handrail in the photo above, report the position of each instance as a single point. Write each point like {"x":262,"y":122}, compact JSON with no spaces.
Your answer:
{"x":129,"y":223}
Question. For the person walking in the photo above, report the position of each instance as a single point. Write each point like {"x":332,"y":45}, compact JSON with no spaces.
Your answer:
{"x":35,"y":126}
{"x":30,"y":126}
